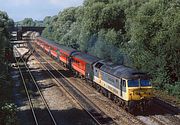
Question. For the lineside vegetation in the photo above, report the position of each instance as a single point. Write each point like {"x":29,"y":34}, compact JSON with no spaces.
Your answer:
{"x":7,"y":106}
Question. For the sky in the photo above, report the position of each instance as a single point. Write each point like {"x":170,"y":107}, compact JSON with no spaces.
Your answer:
{"x":36,"y":9}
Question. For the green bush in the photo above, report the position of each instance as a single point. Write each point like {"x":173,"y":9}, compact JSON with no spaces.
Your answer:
{"x":8,"y":112}
{"x":173,"y":89}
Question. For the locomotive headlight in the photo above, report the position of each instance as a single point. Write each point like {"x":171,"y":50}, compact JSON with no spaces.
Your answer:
{"x":142,"y":97}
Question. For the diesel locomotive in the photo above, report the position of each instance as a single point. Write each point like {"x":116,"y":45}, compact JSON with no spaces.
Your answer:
{"x":126,"y":86}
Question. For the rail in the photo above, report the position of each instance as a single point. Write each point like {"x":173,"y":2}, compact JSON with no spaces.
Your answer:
{"x":39,"y":91}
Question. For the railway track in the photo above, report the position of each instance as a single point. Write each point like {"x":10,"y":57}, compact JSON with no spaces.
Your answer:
{"x":94,"y":112}
{"x":24,"y":75}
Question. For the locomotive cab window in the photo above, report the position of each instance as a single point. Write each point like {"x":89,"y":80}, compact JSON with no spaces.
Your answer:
{"x":133,"y":83}
{"x":145,"y":83}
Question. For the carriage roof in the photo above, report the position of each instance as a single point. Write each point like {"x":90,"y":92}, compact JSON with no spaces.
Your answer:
{"x":86,"y":57}
{"x":64,"y":48}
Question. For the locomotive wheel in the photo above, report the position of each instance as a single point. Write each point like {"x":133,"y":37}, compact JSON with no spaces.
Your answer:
{"x":90,"y":83}
{"x":104,"y":92}
{"x":126,"y":108}
{"x":115,"y":99}
{"x":131,"y":110}
{"x":101,"y":90}
{"x":142,"y":107}
{"x":98,"y":88}
{"x":110,"y":95}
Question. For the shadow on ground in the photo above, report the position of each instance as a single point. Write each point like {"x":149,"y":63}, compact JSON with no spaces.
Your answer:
{"x":159,"y":107}
{"x":63,"y":117}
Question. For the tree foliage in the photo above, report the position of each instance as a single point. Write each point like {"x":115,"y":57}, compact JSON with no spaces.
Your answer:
{"x":142,"y":33}
{"x":154,"y":34}
{"x":7,"y":109}
{"x":5,"y":23}
{"x":29,"y":22}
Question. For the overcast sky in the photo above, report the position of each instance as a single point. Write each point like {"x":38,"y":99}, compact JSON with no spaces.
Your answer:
{"x":36,"y":9}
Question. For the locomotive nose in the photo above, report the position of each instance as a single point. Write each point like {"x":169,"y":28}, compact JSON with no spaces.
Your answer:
{"x":139,"y":94}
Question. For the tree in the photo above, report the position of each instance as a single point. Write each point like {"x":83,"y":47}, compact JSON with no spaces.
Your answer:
{"x":154,"y":40}
{"x":5,"y":23}
{"x":28,"y":22}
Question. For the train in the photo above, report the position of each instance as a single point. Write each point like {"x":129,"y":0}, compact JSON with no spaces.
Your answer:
{"x":126,"y":86}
